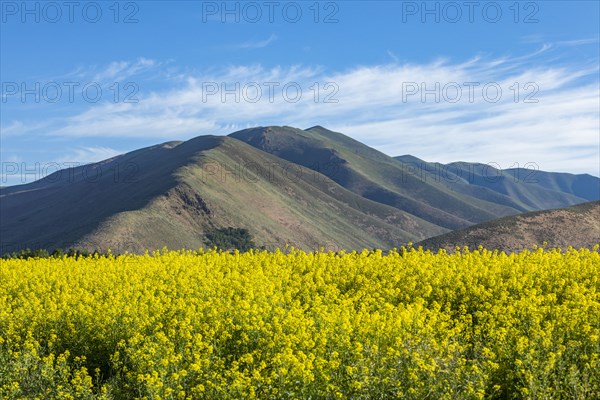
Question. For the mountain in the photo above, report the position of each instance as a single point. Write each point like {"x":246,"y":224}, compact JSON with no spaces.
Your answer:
{"x":441,"y":197}
{"x":519,"y":188}
{"x":372,"y":174}
{"x":577,"y":226}
{"x":307,"y":188}
{"x":173,"y":194}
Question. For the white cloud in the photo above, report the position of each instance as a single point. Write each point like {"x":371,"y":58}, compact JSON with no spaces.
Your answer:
{"x":107,"y":74}
{"x":26,"y":171}
{"x":393,"y":56}
{"x":579,"y":42}
{"x":19,"y":128}
{"x":559,"y":132}
{"x":257,"y":44}
{"x":86,"y":155}
{"x":120,"y":70}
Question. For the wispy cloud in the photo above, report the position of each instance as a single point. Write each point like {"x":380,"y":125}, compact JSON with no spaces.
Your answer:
{"x":19,"y":128}
{"x":580,"y":42}
{"x":393,"y":56}
{"x":539,"y":38}
{"x":114,"y":71}
{"x":83,"y":155}
{"x":258,"y":43}
{"x":545,"y":112}
{"x":19,"y":170}
{"x":120,"y":70}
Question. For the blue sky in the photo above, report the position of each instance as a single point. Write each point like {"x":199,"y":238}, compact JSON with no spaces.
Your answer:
{"x":496,"y":82}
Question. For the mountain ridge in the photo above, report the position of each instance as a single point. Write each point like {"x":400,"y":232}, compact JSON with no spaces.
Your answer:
{"x":306,"y":188}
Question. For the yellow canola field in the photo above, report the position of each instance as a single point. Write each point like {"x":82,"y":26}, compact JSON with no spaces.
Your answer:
{"x":364,"y":325}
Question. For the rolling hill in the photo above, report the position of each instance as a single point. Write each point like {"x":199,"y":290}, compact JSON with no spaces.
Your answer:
{"x":308,"y":188}
{"x":372,"y":174}
{"x":172,"y":194}
{"x":448,"y":200}
{"x":577,"y":226}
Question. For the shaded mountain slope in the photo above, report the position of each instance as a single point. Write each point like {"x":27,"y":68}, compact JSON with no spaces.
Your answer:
{"x":307,"y":188}
{"x":68,"y":205}
{"x":374,"y":175}
{"x":577,"y":226}
{"x":173,"y":194}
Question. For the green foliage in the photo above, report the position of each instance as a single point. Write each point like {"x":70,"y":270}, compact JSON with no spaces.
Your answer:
{"x":230,"y":239}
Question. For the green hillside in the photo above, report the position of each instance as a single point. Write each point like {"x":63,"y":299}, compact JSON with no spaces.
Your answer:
{"x":181,"y":192}
{"x":373,"y":175}
{"x":308,"y":188}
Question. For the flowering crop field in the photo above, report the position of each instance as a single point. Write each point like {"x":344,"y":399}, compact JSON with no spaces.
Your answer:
{"x":363,"y":325}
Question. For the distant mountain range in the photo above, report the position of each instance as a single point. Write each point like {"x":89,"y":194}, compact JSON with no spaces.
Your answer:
{"x":307,"y":188}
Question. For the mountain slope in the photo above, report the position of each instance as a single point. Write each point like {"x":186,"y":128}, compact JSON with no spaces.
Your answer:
{"x":64,"y":207}
{"x":577,"y":226}
{"x":307,"y":188}
{"x":396,"y":181}
{"x":174,"y":193}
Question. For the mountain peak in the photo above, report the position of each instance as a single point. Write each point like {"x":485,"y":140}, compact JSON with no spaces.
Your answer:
{"x":303,"y":187}
{"x":316,"y":127}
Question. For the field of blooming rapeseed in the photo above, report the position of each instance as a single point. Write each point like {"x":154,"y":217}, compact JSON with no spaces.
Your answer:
{"x":363,"y":325}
